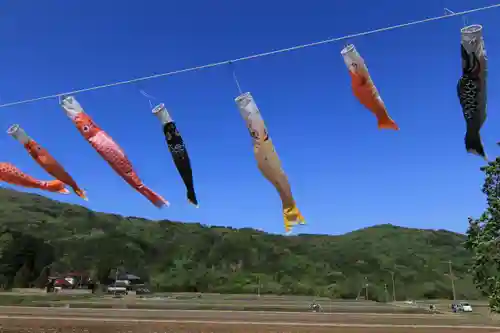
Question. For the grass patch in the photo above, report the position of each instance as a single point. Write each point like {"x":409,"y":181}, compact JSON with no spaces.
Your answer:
{"x":29,"y":300}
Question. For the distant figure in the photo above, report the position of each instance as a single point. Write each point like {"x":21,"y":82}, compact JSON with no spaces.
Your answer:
{"x":315,"y":307}
{"x":93,"y":286}
{"x":50,"y":286}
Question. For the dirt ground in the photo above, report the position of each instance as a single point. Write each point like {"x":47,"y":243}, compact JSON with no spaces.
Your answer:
{"x":51,"y":320}
{"x":20,"y":326}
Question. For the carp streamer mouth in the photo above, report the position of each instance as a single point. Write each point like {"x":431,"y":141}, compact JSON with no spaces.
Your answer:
{"x":347,"y":49}
{"x":18,"y":133}
{"x":13,"y":129}
{"x":159,"y":108}
{"x":243,"y":97}
{"x":71,"y":107}
{"x":471,"y":29}
{"x":161,"y":112}
{"x":351,"y":57}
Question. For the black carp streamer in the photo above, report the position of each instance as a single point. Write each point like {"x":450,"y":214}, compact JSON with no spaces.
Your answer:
{"x":178,"y":150}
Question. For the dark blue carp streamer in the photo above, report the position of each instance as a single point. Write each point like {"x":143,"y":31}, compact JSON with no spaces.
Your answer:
{"x":471,"y":87}
{"x":178,"y":150}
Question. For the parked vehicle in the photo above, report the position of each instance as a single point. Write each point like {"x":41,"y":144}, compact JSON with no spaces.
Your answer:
{"x":461,"y":307}
{"x":117,"y":290}
{"x":464,"y":307}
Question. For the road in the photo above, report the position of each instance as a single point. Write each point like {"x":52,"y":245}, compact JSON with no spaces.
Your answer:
{"x":14,"y":319}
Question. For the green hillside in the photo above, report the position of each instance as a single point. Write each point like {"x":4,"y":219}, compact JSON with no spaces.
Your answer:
{"x":36,"y":232}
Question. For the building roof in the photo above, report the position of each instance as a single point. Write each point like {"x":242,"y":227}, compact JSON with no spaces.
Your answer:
{"x":128,"y":277}
{"x":60,"y":282}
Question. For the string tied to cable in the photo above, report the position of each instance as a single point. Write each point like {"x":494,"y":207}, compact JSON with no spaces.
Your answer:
{"x":148,"y":96}
{"x":235,"y":78}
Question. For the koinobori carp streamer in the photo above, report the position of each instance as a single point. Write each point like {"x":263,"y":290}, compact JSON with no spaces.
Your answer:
{"x":44,"y":159}
{"x":471,"y":87}
{"x":268,"y":160}
{"x":10,"y":174}
{"x":364,"y":89}
{"x":108,"y":149}
{"x":178,"y":150}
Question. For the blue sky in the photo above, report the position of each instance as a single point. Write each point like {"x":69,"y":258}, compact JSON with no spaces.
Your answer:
{"x":345,"y":173}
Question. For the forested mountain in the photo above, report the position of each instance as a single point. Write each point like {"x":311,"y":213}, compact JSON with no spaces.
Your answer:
{"x":36,"y":232}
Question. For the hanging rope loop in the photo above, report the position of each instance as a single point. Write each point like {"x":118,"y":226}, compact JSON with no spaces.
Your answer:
{"x":148,"y":96}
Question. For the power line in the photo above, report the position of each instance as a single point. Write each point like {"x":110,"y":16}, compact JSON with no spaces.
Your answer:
{"x":259,"y":55}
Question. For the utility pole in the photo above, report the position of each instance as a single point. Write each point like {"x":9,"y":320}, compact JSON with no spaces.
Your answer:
{"x":452,"y":281}
{"x":258,"y":287}
{"x":116,"y":278}
{"x":366,"y":288}
{"x":393,"y":287}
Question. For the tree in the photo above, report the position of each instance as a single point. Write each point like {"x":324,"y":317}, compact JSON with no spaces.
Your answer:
{"x":177,"y":256}
{"x":7,"y":258}
{"x":3,"y":281}
{"x":23,"y":277}
{"x":483,"y":238}
{"x":43,"y":278}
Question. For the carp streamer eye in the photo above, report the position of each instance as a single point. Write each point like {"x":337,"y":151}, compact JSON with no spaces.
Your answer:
{"x":86,"y":128}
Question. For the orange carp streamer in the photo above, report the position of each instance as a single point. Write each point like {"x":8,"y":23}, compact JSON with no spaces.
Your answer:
{"x":364,"y":89}
{"x":267,"y":158}
{"x":109,"y":150}
{"x":44,"y":159}
{"x":9,"y":173}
